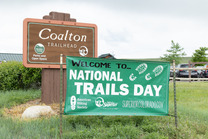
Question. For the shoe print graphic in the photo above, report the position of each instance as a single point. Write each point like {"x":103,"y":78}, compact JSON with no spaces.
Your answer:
{"x":156,"y":72}
{"x":140,"y":69}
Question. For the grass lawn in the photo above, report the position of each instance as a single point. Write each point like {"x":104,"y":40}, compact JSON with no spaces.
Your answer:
{"x":12,"y":98}
{"x":192,"y":102}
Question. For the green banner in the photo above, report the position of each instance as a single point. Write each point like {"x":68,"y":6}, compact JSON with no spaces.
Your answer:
{"x":116,"y":87}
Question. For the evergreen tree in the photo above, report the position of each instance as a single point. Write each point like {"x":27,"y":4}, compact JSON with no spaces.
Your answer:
{"x":174,"y":53}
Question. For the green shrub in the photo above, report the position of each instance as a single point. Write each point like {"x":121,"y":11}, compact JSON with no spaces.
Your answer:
{"x":31,"y":77}
{"x":10,"y":76}
{"x":13,"y":76}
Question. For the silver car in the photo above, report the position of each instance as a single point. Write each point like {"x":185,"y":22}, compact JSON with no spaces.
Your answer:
{"x":185,"y":73}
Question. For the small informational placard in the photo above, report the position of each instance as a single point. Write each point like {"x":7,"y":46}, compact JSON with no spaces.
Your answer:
{"x":116,"y":87}
{"x":45,"y":40}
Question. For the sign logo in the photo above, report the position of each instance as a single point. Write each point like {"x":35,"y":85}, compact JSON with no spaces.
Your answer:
{"x":39,"y":48}
{"x":83,"y":51}
{"x":99,"y":102}
{"x":73,"y":102}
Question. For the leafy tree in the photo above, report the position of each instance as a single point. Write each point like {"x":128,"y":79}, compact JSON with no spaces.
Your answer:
{"x":200,"y":55}
{"x":174,"y":53}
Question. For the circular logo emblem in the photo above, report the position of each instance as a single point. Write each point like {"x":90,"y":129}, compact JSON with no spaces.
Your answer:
{"x":99,"y":102}
{"x":83,"y":51}
{"x":39,"y":48}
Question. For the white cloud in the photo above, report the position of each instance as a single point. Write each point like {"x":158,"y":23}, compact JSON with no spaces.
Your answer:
{"x":129,"y":29}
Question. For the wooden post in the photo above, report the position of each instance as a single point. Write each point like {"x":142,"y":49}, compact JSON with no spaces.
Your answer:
{"x":189,"y":71}
{"x":61,"y":93}
{"x":175,"y":104}
{"x":50,"y":85}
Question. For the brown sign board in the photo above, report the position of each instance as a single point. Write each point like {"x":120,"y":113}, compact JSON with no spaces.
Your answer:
{"x":44,"y":41}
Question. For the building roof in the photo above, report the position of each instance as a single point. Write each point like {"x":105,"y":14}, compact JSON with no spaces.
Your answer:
{"x":107,"y":56}
{"x":10,"y":57}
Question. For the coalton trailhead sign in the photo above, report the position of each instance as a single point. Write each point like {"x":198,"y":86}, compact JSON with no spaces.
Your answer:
{"x":44,"y":41}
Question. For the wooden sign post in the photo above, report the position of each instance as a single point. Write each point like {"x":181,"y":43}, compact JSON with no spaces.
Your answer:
{"x":45,"y":39}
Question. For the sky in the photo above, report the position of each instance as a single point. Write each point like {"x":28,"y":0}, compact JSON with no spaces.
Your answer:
{"x":126,"y":28}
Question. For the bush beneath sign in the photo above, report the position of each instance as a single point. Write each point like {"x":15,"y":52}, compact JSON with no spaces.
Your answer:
{"x":13,"y":76}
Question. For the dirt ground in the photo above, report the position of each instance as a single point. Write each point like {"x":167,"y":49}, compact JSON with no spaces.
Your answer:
{"x":17,"y":111}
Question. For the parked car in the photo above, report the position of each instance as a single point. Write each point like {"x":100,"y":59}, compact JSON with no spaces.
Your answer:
{"x":185,"y":73}
{"x":204,"y":73}
{"x":171,"y":71}
{"x":199,"y":70}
